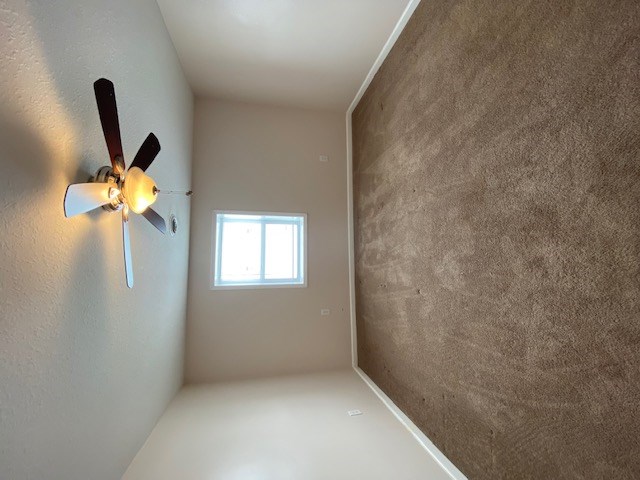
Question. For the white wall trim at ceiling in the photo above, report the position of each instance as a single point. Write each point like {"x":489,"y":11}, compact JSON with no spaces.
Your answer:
{"x":420,"y":437}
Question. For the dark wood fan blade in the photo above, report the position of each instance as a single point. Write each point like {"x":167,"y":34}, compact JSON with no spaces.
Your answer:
{"x":108,"y":110}
{"x":155,"y":219}
{"x":146,"y":153}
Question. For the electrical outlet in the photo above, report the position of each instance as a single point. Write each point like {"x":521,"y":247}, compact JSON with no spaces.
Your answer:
{"x":354,"y":413}
{"x":324,"y":158}
{"x":325,"y":311}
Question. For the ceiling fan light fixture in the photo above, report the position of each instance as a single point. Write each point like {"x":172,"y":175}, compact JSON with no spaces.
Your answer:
{"x":139,"y":190}
{"x":113,"y":187}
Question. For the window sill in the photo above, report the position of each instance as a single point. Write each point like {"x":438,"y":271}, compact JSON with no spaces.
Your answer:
{"x":258,"y":286}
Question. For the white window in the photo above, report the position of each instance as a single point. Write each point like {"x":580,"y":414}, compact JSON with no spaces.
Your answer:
{"x":253,"y":250}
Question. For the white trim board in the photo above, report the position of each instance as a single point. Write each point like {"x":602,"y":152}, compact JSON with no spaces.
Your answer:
{"x":402,"y":22}
{"x":420,"y":437}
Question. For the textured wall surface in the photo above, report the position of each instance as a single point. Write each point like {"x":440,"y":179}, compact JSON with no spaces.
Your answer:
{"x":497,"y":207}
{"x":252,"y":157}
{"x":86,"y":365}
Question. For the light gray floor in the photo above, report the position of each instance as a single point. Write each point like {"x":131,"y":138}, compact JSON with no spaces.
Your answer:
{"x":282,"y":428}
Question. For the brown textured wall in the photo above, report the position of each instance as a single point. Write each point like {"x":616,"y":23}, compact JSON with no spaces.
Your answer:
{"x":497,"y":207}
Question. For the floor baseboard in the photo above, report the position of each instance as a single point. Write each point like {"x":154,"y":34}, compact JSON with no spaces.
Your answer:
{"x":422,"y":439}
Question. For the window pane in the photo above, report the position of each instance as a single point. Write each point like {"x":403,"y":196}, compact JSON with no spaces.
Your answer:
{"x":257,"y":249}
{"x":241,"y":247}
{"x":280,"y":251}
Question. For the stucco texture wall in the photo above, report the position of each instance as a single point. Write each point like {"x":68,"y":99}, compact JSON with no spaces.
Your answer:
{"x":497,"y":224}
{"x":86,"y":365}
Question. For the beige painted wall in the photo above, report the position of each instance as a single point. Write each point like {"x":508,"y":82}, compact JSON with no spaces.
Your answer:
{"x":262,"y":158}
{"x":285,"y":428}
{"x":86,"y":365}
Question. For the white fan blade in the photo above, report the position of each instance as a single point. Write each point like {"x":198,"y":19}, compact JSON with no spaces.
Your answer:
{"x":126,"y":246}
{"x":83,"y":197}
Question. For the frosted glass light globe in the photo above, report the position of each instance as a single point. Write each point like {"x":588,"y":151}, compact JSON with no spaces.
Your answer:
{"x":139,"y":190}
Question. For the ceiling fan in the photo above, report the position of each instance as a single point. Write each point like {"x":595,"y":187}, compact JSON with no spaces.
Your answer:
{"x":115,"y":188}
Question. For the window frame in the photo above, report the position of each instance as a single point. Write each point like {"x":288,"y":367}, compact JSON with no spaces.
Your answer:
{"x":216,"y":243}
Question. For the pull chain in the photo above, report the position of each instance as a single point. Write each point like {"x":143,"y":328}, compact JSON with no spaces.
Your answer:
{"x":175,"y":192}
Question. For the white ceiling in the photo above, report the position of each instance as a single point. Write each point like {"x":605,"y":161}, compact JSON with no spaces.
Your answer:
{"x":308,"y":53}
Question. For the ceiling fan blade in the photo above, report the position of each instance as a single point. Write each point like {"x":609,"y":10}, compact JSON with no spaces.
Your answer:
{"x":126,"y":246}
{"x":108,"y":110}
{"x":84,"y":197}
{"x":155,"y":219}
{"x":147,"y":152}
